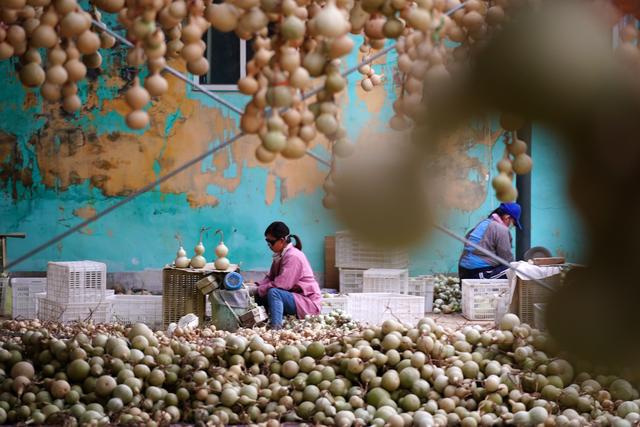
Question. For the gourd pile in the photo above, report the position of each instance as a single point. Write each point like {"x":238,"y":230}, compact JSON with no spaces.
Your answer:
{"x":337,"y":320}
{"x":388,"y":375}
{"x":447,"y":294}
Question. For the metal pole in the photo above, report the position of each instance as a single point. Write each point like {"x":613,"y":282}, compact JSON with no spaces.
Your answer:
{"x":523,"y":185}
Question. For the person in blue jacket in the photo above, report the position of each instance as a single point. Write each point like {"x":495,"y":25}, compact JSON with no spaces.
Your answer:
{"x":493,"y":235}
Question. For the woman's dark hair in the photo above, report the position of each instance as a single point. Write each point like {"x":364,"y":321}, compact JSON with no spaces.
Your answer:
{"x":279,"y":230}
{"x":500,"y":212}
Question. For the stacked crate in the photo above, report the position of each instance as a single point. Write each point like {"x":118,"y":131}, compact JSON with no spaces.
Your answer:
{"x":354,"y":257}
{"x":376,"y":281}
{"x":386,"y":280}
{"x":76,"y":291}
{"x":423,"y":286}
{"x":376,"y":307}
{"x":130,"y":309}
{"x":336,"y":303}
{"x":24,"y":290}
{"x":480,"y":297}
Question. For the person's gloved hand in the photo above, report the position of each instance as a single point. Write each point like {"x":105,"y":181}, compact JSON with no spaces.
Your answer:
{"x":252,"y":288}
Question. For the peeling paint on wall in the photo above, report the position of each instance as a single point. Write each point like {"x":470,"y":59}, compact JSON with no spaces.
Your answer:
{"x":57,"y":169}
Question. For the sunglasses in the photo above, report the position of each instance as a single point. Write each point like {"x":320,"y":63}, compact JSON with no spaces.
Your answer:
{"x":271,"y":242}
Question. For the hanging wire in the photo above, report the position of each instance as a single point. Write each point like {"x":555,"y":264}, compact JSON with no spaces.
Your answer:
{"x":318,"y":158}
{"x":193,"y":161}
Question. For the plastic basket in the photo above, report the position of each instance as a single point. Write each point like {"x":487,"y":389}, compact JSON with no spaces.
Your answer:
{"x":423,"y":286}
{"x":129,"y":309}
{"x":76,"y":281}
{"x":97,"y":312}
{"x":39,"y":297}
{"x":480,"y":297}
{"x":384,"y":280}
{"x":375,"y":308}
{"x":350,"y":281}
{"x":24,"y":290}
{"x":538,"y":316}
{"x":181,"y":296}
{"x":331,"y":304}
{"x":43,"y":295}
{"x":351,"y":253}
{"x":531,"y":293}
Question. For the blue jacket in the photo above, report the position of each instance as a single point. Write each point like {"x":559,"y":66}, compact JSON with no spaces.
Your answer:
{"x":492,"y":235}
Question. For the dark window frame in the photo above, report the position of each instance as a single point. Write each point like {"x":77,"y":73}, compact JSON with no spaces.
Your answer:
{"x":223,"y":87}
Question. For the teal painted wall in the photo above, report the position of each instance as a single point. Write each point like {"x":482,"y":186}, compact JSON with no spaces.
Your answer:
{"x":556,"y":224}
{"x":56,"y":170}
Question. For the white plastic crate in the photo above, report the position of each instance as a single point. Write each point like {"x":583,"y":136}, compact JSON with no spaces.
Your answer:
{"x":423,"y":286}
{"x":351,"y":253}
{"x":39,"y":297}
{"x":43,"y":295}
{"x":76,"y":281}
{"x":538,"y":316}
{"x":24,"y":290}
{"x":350,"y":280}
{"x":341,"y":302}
{"x":480,"y":297}
{"x":385,"y":280}
{"x":129,"y":309}
{"x":97,"y":312}
{"x":375,"y":308}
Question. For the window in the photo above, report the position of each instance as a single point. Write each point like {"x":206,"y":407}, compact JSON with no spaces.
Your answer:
{"x":228,"y":56}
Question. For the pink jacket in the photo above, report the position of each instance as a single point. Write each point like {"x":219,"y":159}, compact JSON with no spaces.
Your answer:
{"x":292,"y":272}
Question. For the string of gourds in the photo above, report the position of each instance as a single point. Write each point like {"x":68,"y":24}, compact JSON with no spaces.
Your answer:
{"x":297,"y":43}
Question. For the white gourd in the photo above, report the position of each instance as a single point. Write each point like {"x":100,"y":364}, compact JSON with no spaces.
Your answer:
{"x":222,"y":263}
{"x":199,"y":261}
{"x":221,"y":250}
{"x":181,"y":260}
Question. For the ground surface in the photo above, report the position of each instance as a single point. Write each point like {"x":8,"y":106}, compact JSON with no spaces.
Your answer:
{"x":457,"y":321}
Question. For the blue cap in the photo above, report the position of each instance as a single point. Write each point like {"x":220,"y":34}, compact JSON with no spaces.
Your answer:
{"x":513,"y":210}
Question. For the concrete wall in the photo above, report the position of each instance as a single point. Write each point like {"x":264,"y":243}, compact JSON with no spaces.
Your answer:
{"x":58,"y":169}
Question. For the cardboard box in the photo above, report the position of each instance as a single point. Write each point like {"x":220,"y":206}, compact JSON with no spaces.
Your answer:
{"x":331,"y":273}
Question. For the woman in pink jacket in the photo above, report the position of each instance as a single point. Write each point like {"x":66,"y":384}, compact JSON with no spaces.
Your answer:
{"x":289,"y":288}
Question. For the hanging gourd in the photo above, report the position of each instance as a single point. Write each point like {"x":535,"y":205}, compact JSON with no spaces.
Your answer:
{"x":181,"y":260}
{"x":221,"y":262}
{"x":199,"y":261}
